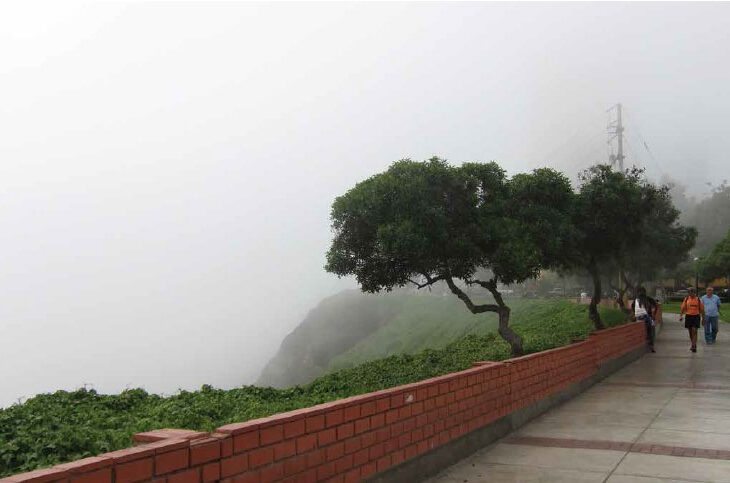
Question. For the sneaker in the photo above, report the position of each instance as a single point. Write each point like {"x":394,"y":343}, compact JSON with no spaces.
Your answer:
{"x":652,"y":349}
{"x":694,"y":349}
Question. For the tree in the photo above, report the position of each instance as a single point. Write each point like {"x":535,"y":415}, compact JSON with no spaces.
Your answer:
{"x":609,"y":217}
{"x":661,"y":244}
{"x":711,"y":217}
{"x":717,"y":263}
{"x":429,"y":222}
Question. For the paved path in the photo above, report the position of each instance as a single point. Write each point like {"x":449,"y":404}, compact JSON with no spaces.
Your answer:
{"x":666,"y":417}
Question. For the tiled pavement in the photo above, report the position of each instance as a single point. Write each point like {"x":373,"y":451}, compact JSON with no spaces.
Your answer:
{"x":664,"y":418}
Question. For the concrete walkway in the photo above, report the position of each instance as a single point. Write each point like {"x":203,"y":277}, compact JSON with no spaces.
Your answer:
{"x":666,"y":417}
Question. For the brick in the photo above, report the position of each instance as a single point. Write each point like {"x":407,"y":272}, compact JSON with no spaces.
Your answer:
{"x":382,"y":405}
{"x":391,"y":416}
{"x":307,"y":477}
{"x":343,"y":464}
{"x":325,"y":471}
{"x":334,"y":418}
{"x":97,"y":476}
{"x":86,"y":465}
{"x":39,"y":476}
{"x":204,"y":452}
{"x":397,"y":458}
{"x":367,"y":409}
{"x":234,"y":465}
{"x":345,"y":431}
{"x":335,"y":451}
{"x":352,"y":412}
{"x":296,"y":465}
{"x":130,"y":454}
{"x":226,"y":446}
{"x":306,"y":443}
{"x":377,"y":420}
{"x":376,"y":451}
{"x":285,"y":449}
{"x":352,"y":476}
{"x":163,"y":434}
{"x":315,"y":458}
{"x":211,"y":472}
{"x":368,"y":470}
{"x":246,"y":441}
{"x":188,"y":476}
{"x":368,"y":439}
{"x":295,"y":428}
{"x":352,"y":445}
{"x":171,"y":461}
{"x":361,"y":457}
{"x":261,"y":456}
{"x":137,"y":470}
{"x":383,"y":463}
{"x":362,"y":425}
{"x":250,"y":477}
{"x":272,"y":473}
{"x":326,"y":437}
{"x":315,"y":423}
{"x":271,"y":435}
{"x":168,"y":445}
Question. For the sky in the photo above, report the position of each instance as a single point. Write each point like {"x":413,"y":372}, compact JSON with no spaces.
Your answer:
{"x":167,"y":169}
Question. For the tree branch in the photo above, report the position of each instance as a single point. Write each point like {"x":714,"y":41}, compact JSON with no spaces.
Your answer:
{"x":490,"y":285}
{"x":429,"y":281}
{"x":474,"y":309}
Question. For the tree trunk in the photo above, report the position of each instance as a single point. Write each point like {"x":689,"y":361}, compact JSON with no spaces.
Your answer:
{"x":621,"y":304}
{"x":596,"y":298}
{"x":513,"y":338}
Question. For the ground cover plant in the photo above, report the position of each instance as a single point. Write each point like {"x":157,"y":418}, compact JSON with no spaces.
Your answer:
{"x":63,"y":426}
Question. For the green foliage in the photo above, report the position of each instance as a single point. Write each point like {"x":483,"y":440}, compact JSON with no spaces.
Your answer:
{"x":717,"y":263}
{"x":711,"y":217}
{"x":432,"y":220}
{"x":416,"y":328}
{"x":64,"y":426}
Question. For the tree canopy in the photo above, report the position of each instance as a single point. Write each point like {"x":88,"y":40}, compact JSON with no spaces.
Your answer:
{"x":717,"y":263}
{"x":425,"y":222}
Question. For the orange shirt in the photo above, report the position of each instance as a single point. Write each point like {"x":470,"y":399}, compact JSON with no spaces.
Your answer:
{"x":693,"y":306}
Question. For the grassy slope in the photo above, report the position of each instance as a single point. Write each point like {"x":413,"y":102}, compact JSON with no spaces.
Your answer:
{"x":52,"y":428}
{"x":420,"y":326}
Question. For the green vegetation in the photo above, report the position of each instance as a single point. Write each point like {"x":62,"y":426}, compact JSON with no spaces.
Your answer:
{"x":671,"y":307}
{"x":420,"y":326}
{"x":468,"y":226}
{"x":53,"y":428}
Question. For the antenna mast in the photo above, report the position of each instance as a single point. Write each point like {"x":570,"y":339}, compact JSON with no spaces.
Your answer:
{"x":616,"y":131}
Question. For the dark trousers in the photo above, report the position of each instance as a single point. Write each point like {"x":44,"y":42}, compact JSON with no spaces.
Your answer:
{"x":649,"y":324}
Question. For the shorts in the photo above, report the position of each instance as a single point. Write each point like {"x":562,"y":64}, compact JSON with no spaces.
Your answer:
{"x":692,"y":321}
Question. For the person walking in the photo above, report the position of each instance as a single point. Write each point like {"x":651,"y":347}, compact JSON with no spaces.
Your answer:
{"x":695,"y":311}
{"x":645,"y":308}
{"x":712,"y":314}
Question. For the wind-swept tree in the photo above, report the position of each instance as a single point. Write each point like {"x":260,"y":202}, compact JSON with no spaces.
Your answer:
{"x":429,"y":222}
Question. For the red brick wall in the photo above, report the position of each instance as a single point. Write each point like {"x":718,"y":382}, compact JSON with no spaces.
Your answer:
{"x":354,"y":438}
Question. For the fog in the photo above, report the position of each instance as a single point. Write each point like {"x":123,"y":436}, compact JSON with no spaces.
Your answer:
{"x":166,"y":170}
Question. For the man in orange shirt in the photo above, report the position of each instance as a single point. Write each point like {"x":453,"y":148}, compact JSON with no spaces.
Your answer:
{"x":695,"y":310}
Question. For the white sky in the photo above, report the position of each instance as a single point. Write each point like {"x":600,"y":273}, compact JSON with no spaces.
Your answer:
{"x":166,"y":170}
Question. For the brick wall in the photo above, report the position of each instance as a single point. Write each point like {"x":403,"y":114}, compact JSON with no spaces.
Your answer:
{"x":354,"y":438}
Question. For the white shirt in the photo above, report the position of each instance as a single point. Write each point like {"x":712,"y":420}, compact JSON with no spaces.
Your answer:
{"x":639,"y":310}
